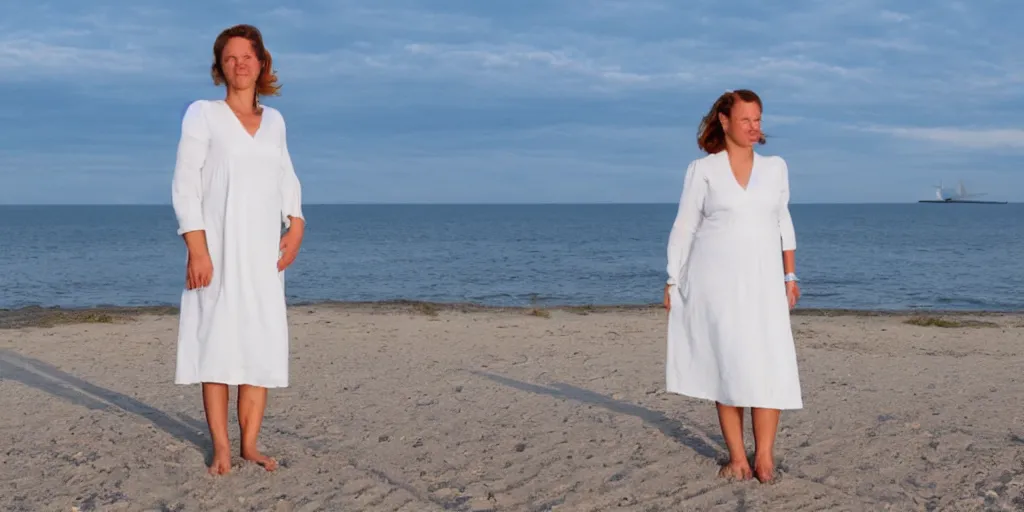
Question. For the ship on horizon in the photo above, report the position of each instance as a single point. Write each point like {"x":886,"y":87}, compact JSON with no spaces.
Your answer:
{"x":959,"y":195}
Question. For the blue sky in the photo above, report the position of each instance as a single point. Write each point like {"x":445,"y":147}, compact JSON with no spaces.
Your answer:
{"x":525,"y":100}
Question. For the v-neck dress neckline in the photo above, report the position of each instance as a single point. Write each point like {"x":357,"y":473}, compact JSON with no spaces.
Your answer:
{"x":732,"y":173}
{"x":239,"y":122}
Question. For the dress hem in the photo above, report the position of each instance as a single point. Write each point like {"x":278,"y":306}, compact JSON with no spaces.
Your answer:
{"x":732,"y":403}
{"x":229,"y":382}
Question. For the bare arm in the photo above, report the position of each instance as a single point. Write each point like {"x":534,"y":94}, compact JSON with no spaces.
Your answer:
{"x":195,"y":242}
{"x":789,"y":262}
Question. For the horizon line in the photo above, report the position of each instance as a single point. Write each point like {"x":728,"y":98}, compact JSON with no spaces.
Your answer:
{"x":416,"y":203}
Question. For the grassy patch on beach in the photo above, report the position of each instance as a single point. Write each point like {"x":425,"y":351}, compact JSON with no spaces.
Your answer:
{"x":426,"y":308}
{"x":536,"y":309}
{"x":542,"y":313}
{"x":935,"y":321}
{"x":34,"y":316}
{"x":581,"y":310}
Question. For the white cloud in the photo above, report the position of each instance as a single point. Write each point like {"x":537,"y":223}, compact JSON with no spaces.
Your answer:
{"x":520,"y":60}
{"x":893,"y":16}
{"x":901,"y":44}
{"x":980,"y":138}
{"x":34,"y":56}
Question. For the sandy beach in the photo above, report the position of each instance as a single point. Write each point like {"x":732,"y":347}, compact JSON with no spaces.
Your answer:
{"x":418,"y":407}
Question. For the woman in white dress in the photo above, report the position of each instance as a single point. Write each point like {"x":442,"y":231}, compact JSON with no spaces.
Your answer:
{"x":233,"y":189}
{"x":732,"y":282}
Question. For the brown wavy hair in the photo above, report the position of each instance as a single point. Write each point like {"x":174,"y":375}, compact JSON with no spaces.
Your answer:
{"x":711,"y":134}
{"x":266,"y":82}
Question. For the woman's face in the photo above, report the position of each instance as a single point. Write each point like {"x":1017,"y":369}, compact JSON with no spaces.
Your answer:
{"x":743,"y":126}
{"x":239,"y":62}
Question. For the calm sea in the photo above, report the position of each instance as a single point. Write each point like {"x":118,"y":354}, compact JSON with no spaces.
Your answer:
{"x":908,"y":256}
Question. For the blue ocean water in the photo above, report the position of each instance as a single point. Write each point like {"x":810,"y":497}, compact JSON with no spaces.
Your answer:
{"x":881,"y":257}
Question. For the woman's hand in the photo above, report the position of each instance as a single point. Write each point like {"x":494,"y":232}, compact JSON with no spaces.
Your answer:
{"x":199,"y":271}
{"x":792,"y":293}
{"x":668,"y":297}
{"x":290,"y":243}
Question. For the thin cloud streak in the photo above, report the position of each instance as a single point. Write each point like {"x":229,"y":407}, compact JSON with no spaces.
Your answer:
{"x":982,"y":138}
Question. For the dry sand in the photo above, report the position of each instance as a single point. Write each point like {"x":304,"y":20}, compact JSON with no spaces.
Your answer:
{"x":414,"y":409}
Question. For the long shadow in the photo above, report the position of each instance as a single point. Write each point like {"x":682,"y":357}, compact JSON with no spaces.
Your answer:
{"x":45,"y":377}
{"x":675,"y":429}
{"x":689,"y":437}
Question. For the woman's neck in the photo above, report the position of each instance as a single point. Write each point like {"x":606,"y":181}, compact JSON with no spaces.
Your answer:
{"x":737,"y":151}
{"x":241,"y":100}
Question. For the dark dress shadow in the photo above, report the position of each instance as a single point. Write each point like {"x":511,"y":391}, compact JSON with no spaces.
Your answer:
{"x":39,"y":375}
{"x":690,"y":437}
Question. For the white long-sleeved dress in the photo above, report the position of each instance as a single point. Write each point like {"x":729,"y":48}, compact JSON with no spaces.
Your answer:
{"x":729,"y":333}
{"x":240,"y":189}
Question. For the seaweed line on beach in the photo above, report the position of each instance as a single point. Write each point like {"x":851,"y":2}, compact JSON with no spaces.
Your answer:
{"x":39,"y":316}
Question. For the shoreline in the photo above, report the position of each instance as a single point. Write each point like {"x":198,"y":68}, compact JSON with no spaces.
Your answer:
{"x":49,"y":316}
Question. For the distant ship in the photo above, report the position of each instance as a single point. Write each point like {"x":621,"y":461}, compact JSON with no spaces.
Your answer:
{"x":959,"y":195}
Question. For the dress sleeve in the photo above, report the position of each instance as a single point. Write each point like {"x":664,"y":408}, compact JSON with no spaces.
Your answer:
{"x":785,"y":220}
{"x":291,"y":189}
{"x":187,"y":183}
{"x":688,"y":219}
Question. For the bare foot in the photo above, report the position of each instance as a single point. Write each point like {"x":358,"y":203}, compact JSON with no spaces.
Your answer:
{"x":221,"y":462}
{"x":764,"y":470}
{"x":736,"y":470}
{"x":254,"y":455}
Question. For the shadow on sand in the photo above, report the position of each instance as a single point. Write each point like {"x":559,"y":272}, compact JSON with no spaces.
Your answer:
{"x":45,"y":377}
{"x":675,"y":429}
